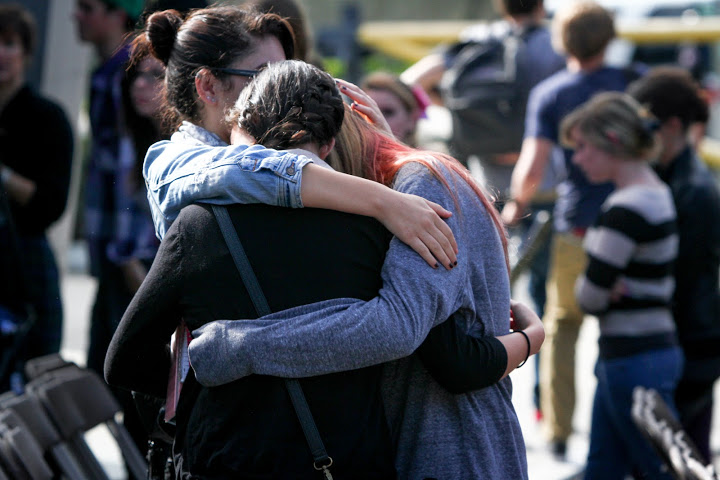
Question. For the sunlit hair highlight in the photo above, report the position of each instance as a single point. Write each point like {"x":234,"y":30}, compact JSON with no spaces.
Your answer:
{"x":362,"y":147}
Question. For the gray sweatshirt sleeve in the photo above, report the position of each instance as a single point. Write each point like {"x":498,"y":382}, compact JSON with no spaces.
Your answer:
{"x":341,"y":334}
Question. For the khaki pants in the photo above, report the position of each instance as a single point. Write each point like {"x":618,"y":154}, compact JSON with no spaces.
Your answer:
{"x":562,"y":322}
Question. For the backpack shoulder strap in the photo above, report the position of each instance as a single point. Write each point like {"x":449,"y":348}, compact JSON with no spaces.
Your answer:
{"x":321,"y":459}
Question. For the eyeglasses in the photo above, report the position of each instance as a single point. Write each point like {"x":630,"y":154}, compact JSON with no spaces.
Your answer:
{"x":238,"y":71}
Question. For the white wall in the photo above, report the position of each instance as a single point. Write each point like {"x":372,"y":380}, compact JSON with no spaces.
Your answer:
{"x":66,"y":67}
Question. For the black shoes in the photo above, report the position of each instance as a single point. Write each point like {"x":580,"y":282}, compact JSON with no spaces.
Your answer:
{"x":558,"y":449}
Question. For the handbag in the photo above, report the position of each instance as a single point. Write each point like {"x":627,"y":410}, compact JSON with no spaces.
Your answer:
{"x":321,"y":460}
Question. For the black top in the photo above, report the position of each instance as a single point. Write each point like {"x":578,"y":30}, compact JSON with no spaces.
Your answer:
{"x":36,"y":141}
{"x":248,"y":426}
{"x":696,"y":303}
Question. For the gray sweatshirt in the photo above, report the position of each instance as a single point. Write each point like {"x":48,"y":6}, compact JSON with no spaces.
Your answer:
{"x":437,"y":434}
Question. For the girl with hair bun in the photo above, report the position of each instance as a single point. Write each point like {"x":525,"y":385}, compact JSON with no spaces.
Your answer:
{"x":628,"y":283}
{"x":210,"y":56}
{"x":248,"y":428}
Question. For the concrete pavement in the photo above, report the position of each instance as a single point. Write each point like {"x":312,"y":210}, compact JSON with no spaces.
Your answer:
{"x":78,"y":293}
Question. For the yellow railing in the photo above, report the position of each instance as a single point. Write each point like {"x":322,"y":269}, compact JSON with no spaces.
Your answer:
{"x":710,"y":152}
{"x":413,"y":40}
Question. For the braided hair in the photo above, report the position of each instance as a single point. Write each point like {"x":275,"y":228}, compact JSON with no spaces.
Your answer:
{"x":289,"y":104}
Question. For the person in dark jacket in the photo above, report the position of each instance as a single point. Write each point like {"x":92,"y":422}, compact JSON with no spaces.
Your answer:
{"x":35,"y":180}
{"x":676,"y":100}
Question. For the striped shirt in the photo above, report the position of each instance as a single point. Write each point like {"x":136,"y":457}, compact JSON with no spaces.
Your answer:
{"x":634,"y":241}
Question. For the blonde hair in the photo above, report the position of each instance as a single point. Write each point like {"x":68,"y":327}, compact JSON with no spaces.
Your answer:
{"x":615,"y":123}
{"x":582,"y":30}
{"x":351,"y":151}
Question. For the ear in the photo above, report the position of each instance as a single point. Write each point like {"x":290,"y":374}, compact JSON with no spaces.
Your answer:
{"x":325,"y":150}
{"x":206,"y":86}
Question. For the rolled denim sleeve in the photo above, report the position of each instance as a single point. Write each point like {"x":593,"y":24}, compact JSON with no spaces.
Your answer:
{"x":179,"y":174}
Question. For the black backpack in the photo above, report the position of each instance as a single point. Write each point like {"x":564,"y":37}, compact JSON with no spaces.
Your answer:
{"x":486,"y":91}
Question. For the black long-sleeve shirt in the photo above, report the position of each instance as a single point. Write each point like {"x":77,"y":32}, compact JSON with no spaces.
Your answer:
{"x":696,"y":303}
{"x":36,"y":141}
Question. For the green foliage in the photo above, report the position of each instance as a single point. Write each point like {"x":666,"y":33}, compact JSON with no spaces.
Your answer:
{"x":379,"y":61}
{"x":372,"y":62}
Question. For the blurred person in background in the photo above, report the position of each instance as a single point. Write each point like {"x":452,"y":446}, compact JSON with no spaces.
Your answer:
{"x":537,"y":60}
{"x":293,"y":12}
{"x":401,"y":105}
{"x":676,"y":99}
{"x":628,"y":283}
{"x":107,"y":25}
{"x":35,"y":180}
{"x":134,"y":244}
{"x":582,"y":30}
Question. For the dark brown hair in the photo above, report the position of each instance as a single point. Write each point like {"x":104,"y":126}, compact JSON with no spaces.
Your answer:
{"x":288,"y":104}
{"x":211,"y":38}
{"x":15,"y":18}
{"x":671,"y":92}
{"x":517,"y":7}
{"x":293,"y":12}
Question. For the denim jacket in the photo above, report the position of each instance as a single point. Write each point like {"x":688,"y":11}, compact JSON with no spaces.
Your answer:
{"x":196,"y":165}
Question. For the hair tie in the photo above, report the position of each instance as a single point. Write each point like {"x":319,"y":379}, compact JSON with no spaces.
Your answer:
{"x":613,"y":137}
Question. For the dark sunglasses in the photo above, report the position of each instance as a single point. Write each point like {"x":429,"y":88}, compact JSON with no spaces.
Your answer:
{"x":237,"y":71}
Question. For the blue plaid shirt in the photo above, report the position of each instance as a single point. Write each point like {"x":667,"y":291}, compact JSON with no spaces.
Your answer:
{"x":134,"y":232}
{"x":112,"y":214}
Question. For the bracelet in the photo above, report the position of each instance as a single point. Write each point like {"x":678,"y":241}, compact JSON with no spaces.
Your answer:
{"x":527,"y":339}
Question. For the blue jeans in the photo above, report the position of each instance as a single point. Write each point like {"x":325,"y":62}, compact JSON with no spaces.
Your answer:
{"x":617,"y":448}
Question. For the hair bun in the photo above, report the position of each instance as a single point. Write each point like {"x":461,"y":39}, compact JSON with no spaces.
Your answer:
{"x":161,"y":30}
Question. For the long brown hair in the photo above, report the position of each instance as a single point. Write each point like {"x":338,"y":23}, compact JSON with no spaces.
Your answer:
{"x":289,"y":104}
{"x":211,"y":38}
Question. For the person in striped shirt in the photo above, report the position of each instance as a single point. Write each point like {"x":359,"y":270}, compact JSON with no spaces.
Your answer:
{"x":629,"y":282}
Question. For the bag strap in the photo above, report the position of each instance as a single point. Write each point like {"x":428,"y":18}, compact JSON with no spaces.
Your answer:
{"x":321,"y":459}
